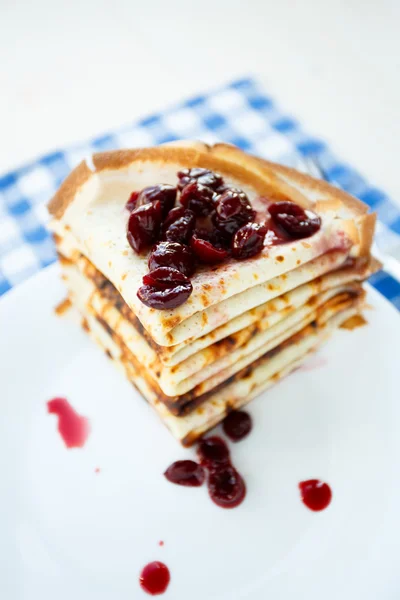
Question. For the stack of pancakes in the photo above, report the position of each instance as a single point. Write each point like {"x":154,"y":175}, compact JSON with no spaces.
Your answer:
{"x":247,"y":323}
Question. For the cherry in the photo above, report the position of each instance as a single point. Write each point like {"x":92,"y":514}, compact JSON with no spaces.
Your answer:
{"x":206,"y":252}
{"x":185,"y":472}
{"x":178,"y":227}
{"x":198,"y":198}
{"x":213,"y":451}
{"x":172,"y":254}
{"x":144,"y":225}
{"x":212,"y":235}
{"x":203,"y":176}
{"x":237,"y":425}
{"x":164,"y":288}
{"x":233,"y":210}
{"x":248,"y":241}
{"x":163,"y":192}
{"x":131,"y":204}
{"x":226,"y":486}
{"x":173,"y":215}
{"x":294,"y":219}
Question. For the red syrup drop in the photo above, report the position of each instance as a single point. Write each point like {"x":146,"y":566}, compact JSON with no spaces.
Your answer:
{"x":154,"y":578}
{"x":74,"y":428}
{"x":161,"y":543}
{"x":315,"y":494}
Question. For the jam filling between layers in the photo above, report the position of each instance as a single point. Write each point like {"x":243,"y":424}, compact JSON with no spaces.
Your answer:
{"x":186,"y":403}
{"x":226,"y":344}
{"x":203,"y":221}
{"x":183,"y":405}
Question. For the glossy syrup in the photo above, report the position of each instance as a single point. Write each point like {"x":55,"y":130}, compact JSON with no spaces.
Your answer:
{"x":154,"y":578}
{"x":73,"y":427}
{"x":315,"y":494}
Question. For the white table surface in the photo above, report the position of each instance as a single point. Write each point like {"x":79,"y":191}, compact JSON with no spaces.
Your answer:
{"x":71,"y":70}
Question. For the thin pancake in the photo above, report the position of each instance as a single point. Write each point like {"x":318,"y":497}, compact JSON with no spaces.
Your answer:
{"x":245,"y":386}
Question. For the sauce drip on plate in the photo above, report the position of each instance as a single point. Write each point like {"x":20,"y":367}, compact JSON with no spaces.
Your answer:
{"x":74,"y":428}
{"x":154,"y":578}
{"x":315,"y":494}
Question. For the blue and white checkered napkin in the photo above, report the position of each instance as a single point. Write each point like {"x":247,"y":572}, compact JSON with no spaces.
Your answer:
{"x":240,"y":113}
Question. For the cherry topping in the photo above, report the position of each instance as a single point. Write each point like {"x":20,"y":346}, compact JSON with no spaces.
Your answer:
{"x":164,"y":288}
{"x":185,"y":472}
{"x":213,"y":452}
{"x":174,"y":255}
{"x":315,"y":494}
{"x":233,"y":210}
{"x":131,"y":204}
{"x":226,"y":486}
{"x":206,"y":252}
{"x":173,"y":215}
{"x":154,"y":578}
{"x":178,"y":227}
{"x":198,"y":198}
{"x":163,"y":192}
{"x":248,"y":241}
{"x":144,"y":225}
{"x":294,"y":219}
{"x":203,"y":176}
{"x":237,"y":425}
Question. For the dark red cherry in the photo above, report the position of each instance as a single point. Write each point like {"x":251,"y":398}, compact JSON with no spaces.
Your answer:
{"x":213,"y":451}
{"x":213,"y":235}
{"x":226,"y":487}
{"x":198,"y":198}
{"x":237,"y":424}
{"x":248,"y":241}
{"x":164,"y":288}
{"x":178,"y":227}
{"x":185,"y":472}
{"x":206,"y":252}
{"x":163,"y":192}
{"x":172,"y":254}
{"x":131,"y":204}
{"x":234,"y":203}
{"x":203,"y":176}
{"x":233,"y":210}
{"x":144,"y":225}
{"x":295,"y":221}
{"x":173,"y":215}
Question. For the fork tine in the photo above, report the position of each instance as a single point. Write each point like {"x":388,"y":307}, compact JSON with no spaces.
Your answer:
{"x":314,"y":168}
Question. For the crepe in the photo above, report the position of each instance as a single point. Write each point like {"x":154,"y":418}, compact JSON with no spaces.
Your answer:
{"x":264,"y":314}
{"x":267,"y":324}
{"x":243,"y":387}
{"x":91,"y":205}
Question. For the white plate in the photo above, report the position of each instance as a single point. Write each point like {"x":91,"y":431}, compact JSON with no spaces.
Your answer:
{"x":67,"y":532}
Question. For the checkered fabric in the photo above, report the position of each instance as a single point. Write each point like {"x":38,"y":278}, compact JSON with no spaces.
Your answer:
{"x":240,"y":113}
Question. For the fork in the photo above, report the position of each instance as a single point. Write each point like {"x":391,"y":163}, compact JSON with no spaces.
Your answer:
{"x":386,"y":246}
